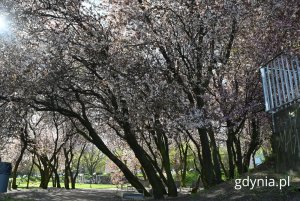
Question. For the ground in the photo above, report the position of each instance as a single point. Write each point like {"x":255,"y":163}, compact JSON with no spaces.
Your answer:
{"x":222,"y":192}
{"x":62,"y":194}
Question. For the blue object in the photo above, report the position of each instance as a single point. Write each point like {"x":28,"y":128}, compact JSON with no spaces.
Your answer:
{"x":5,"y":170}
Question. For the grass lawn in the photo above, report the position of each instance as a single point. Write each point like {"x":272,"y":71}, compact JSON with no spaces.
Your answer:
{"x":94,"y":186}
{"x":78,"y":185}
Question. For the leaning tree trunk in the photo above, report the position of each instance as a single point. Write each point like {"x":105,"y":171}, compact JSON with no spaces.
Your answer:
{"x":184,"y":164}
{"x":254,"y":143}
{"x":143,"y":173}
{"x":74,"y":175}
{"x":208,"y":174}
{"x":162,"y":144}
{"x":172,"y":188}
{"x":131,"y":178}
{"x":156,"y":183}
{"x":24,"y":144}
{"x":15,"y":169}
{"x":199,"y":156}
{"x":222,"y":165}
{"x":30,"y":172}
{"x":94,"y":138}
{"x":142,"y":156}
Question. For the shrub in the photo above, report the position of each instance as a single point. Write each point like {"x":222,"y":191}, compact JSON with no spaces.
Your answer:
{"x":191,"y":177}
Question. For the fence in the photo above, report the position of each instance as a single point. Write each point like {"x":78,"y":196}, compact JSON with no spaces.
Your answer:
{"x":281,"y":82}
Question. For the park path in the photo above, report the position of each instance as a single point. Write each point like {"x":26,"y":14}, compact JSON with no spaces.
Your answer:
{"x":54,"y":194}
{"x":65,"y":195}
{"x":221,"y":192}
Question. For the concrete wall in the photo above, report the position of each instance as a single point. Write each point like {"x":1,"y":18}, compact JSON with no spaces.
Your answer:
{"x":286,"y":139}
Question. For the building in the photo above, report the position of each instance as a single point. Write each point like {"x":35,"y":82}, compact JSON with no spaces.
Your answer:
{"x":281,"y":85}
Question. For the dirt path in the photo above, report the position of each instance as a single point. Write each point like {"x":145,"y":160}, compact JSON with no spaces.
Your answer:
{"x":65,"y":195}
{"x":222,"y":192}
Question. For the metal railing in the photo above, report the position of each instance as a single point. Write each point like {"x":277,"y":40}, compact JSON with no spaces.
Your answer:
{"x":281,"y":82}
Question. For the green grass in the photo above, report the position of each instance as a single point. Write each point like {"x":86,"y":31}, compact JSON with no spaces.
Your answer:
{"x":191,"y":177}
{"x":78,"y":185}
{"x":31,"y":184}
{"x":94,"y":186}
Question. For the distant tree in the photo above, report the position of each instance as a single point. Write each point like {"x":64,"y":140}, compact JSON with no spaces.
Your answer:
{"x":74,"y":146}
{"x":92,"y":159}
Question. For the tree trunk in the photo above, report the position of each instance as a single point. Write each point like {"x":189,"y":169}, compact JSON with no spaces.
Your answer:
{"x":143,"y":173}
{"x":74,"y":176}
{"x":73,"y":179}
{"x":229,"y":145}
{"x":24,"y":144}
{"x":156,"y":183}
{"x":253,"y":159}
{"x":97,"y":141}
{"x":67,"y":181}
{"x":217,"y":168}
{"x":67,"y":169}
{"x":155,"y":163}
{"x":30,"y":172}
{"x":53,"y":181}
{"x":14,"y":172}
{"x":142,"y":156}
{"x":239,"y":157}
{"x":208,"y":167}
{"x":57,"y":179}
{"x":54,"y":168}
{"x":208,"y":174}
{"x":230,"y":152}
{"x":45,"y":178}
{"x":131,"y":178}
{"x":254,"y":143}
{"x":45,"y":172}
{"x":45,"y":181}
{"x":199,"y":158}
{"x":93,"y":137}
{"x":172,"y":188}
{"x":184,"y":165}
{"x":222,"y":165}
{"x":162,"y":144}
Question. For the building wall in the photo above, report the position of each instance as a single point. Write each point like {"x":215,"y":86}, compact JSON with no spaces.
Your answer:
{"x":286,"y":138}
